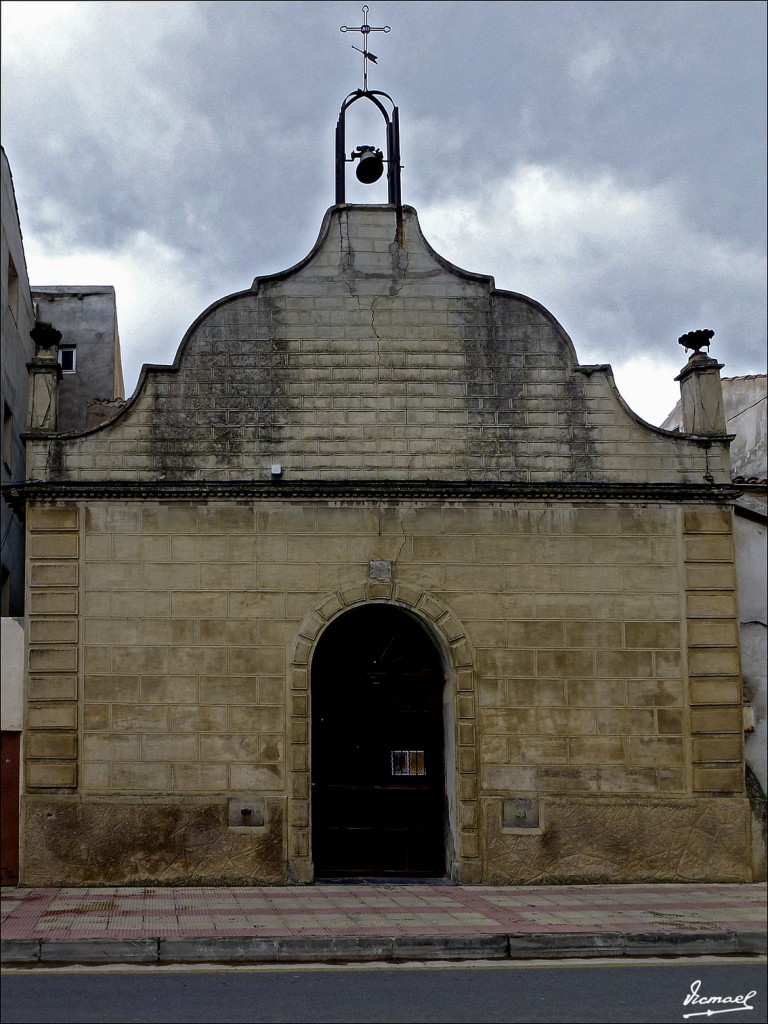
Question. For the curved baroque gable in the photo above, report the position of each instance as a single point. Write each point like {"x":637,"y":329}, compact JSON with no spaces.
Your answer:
{"x":376,"y":358}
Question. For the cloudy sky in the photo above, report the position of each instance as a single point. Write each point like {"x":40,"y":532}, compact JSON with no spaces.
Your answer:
{"x":606,"y":158}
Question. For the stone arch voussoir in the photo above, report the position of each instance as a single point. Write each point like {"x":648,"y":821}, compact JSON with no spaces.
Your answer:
{"x":450,"y":634}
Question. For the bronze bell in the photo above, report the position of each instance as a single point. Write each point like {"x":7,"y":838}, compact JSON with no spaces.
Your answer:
{"x":371,"y":166}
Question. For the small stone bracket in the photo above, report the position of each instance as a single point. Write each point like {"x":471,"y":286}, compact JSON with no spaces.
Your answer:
{"x":379,"y":570}
{"x":521,"y":812}
{"x":245,"y":812}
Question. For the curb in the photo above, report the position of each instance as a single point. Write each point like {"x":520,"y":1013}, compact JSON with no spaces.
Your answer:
{"x":394,"y":949}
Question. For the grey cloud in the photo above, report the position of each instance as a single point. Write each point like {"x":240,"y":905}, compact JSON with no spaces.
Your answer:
{"x":210,"y":127}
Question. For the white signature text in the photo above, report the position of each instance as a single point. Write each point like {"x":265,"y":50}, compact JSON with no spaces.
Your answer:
{"x":730,"y":1004}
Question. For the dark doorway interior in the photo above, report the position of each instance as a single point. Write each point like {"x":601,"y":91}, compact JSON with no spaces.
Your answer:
{"x":378,"y":791}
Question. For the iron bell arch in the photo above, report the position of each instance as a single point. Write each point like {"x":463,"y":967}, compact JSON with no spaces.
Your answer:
{"x":392,"y":121}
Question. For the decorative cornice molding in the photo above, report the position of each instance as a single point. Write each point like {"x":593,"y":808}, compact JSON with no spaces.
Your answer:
{"x":365,"y":490}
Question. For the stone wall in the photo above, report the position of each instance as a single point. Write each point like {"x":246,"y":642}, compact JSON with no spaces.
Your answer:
{"x":377,"y":359}
{"x":377,"y":426}
{"x":591,"y":658}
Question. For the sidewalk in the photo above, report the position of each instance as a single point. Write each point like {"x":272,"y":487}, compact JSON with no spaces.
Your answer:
{"x":396,"y":922}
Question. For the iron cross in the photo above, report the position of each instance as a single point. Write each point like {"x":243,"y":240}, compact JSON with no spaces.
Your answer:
{"x":365,"y":28}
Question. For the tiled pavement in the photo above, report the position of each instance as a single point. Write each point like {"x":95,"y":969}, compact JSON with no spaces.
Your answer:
{"x":377,"y":921}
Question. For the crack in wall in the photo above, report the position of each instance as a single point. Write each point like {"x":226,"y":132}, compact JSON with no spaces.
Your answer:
{"x":399,"y":255}
{"x":404,"y":513}
{"x":373,"y":322}
{"x":46,"y":417}
{"x":346,"y":255}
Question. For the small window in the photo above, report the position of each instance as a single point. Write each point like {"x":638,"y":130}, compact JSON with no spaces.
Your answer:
{"x":7,"y":437}
{"x":67,"y":358}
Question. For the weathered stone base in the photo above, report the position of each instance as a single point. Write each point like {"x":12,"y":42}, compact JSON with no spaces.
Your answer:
{"x":71,"y":841}
{"x":590,"y":842}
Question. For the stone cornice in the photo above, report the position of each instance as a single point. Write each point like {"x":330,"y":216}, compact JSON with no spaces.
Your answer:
{"x":364,"y":490}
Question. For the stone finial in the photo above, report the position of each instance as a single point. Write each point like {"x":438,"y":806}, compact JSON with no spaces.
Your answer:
{"x":696,"y":340}
{"x":44,"y":335}
{"x":44,"y":375}
{"x":701,"y":391}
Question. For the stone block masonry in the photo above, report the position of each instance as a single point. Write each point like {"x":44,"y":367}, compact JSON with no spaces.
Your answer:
{"x":352,"y":367}
{"x":53,"y":651}
{"x":202,"y":689}
{"x":441,"y":452}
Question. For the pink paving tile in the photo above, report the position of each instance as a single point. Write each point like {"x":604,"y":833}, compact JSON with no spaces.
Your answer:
{"x":389,"y":908}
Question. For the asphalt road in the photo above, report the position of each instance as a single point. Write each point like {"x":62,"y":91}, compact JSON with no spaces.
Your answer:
{"x":569,"y":991}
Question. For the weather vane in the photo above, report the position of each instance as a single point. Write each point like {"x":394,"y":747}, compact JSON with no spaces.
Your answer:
{"x":365,"y":29}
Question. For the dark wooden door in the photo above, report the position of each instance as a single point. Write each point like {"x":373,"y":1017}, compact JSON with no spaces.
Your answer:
{"x":9,"y":808}
{"x":378,"y":791}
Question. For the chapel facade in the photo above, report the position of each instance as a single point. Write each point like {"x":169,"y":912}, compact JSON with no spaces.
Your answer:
{"x":377,"y":580}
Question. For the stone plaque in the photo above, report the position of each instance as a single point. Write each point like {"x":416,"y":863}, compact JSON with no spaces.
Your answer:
{"x":378,"y":570}
{"x":245,"y":812}
{"x":521,"y":812}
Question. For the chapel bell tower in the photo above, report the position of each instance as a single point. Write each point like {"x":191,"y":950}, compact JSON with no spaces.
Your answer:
{"x":370,"y":160}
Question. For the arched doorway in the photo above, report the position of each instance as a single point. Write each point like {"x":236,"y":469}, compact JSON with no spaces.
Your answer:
{"x":378,"y":781}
